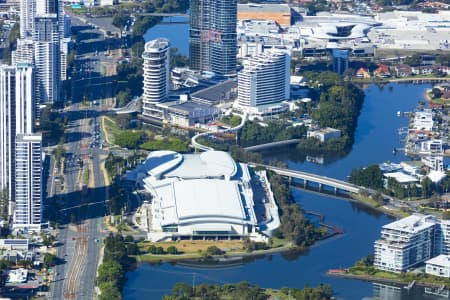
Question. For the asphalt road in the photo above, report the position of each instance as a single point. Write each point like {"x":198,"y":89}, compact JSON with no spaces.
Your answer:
{"x":81,"y":243}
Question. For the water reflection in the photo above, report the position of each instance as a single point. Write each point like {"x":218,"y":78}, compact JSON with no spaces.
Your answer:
{"x":290,"y":153}
{"x":392,"y":292}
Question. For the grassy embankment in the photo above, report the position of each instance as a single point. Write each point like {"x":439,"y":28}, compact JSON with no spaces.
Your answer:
{"x":86,"y":176}
{"x":141,"y":138}
{"x":368,"y":201}
{"x":199,"y":249}
{"x":109,"y":128}
{"x":438,"y":101}
{"x":370,"y":273}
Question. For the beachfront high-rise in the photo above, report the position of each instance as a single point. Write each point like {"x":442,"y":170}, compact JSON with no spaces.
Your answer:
{"x":156,"y":75}
{"x":27,"y":13}
{"x":28,"y":182}
{"x":25,"y":99}
{"x":212,"y":36}
{"x":16,"y":117}
{"x":46,"y":57}
{"x":7,"y":128}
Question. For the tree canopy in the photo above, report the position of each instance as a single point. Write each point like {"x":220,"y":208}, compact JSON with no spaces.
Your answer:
{"x":244,"y":291}
{"x":370,"y":177}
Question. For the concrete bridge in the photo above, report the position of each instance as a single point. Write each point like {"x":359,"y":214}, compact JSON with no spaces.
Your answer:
{"x":164,"y":14}
{"x":273,"y":144}
{"x":310,"y":178}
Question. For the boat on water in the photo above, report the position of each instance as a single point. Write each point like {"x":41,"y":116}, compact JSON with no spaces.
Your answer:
{"x":399,"y":113}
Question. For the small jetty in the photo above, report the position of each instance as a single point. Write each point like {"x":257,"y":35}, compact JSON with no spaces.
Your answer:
{"x":395,"y":150}
{"x":410,"y":285}
{"x":333,"y":229}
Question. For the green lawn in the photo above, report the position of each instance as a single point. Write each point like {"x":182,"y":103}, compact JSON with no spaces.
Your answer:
{"x":110,"y":128}
{"x":86,"y":176}
{"x":372,"y":203}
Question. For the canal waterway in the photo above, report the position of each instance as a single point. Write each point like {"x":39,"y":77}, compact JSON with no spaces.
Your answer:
{"x":375,"y":138}
{"x":175,"y":29}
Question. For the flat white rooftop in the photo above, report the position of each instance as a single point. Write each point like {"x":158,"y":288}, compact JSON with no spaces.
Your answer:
{"x":401,"y":177}
{"x":440,"y":260}
{"x":412,"y":224}
{"x":208,"y":198}
{"x":436,"y":176}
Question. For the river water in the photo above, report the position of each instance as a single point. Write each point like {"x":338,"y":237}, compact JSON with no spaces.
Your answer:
{"x":375,"y":138}
{"x":175,"y":29}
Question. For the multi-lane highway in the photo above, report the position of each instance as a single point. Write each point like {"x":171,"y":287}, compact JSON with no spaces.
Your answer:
{"x":81,"y":213}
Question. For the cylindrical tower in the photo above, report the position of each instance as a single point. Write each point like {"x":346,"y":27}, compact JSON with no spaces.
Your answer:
{"x":156,"y":73}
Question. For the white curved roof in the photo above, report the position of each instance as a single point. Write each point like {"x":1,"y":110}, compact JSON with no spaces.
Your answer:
{"x":200,"y":201}
{"x":208,"y":200}
{"x":157,"y":45}
{"x":159,"y":162}
{"x":209,"y":164}
{"x":328,"y":31}
{"x":221,"y":161}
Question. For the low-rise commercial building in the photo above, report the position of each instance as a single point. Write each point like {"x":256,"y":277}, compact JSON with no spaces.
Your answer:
{"x":187,"y":114}
{"x":324,"y":134}
{"x":280,"y":13}
{"x":17,"y":276}
{"x":219,"y":93}
{"x":14,"y":244}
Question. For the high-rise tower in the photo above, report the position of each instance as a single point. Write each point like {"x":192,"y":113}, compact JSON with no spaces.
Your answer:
{"x":28,"y":183}
{"x":156,"y":75}
{"x":16,"y":117}
{"x":46,"y":57}
{"x":7,"y":128}
{"x":265,"y":80}
{"x":212,"y":36}
{"x":27,"y":13}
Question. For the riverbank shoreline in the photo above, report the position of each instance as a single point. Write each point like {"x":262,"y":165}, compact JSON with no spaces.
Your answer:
{"x":380,"y":208}
{"x":415,"y":79}
{"x":199,"y":257}
{"x":369,"y":278}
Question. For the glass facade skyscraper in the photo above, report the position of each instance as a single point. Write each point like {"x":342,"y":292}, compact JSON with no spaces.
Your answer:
{"x":212,"y":36}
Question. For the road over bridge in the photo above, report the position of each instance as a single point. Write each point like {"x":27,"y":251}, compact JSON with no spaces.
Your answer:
{"x":164,"y":14}
{"x":273,"y":144}
{"x":320,"y":180}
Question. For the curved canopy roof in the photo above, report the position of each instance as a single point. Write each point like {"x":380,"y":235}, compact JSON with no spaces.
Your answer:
{"x":209,"y":164}
{"x":159,"y":162}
